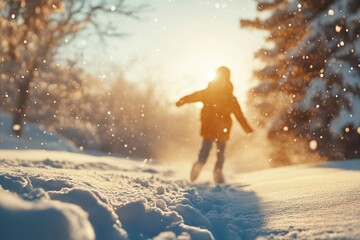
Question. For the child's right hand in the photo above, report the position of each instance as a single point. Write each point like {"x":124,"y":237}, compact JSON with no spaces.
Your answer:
{"x":179,"y":103}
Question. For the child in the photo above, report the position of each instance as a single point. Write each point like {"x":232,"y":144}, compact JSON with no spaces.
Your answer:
{"x":218,"y":104}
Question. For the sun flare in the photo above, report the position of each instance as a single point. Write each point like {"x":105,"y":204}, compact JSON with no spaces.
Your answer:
{"x":199,"y":105}
{"x":211,"y":75}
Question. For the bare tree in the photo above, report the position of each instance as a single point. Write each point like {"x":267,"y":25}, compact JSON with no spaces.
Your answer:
{"x":33,"y":31}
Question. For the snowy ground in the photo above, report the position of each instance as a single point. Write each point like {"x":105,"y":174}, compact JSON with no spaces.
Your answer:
{"x":33,"y":137}
{"x":61,"y":195}
{"x":47,"y":194}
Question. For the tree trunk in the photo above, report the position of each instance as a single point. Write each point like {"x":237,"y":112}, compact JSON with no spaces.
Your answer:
{"x":23,"y":95}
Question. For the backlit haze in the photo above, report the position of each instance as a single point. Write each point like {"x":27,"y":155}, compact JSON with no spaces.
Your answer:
{"x":177,"y":45}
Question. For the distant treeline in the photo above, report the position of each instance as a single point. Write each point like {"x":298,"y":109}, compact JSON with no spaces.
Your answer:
{"x":115,"y":116}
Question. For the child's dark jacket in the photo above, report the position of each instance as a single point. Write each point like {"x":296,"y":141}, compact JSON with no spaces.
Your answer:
{"x":215,"y":114}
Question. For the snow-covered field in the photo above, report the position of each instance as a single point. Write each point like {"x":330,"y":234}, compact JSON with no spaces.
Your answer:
{"x":60,"y":195}
{"x":67,"y":195}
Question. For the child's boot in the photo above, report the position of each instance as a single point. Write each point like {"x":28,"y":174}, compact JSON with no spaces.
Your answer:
{"x":195,"y":171}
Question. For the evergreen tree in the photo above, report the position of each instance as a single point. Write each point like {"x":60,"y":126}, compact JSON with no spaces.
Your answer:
{"x":310,"y":83}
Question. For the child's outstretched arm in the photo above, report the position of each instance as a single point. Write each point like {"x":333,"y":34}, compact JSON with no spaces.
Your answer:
{"x":240,"y":117}
{"x":194,"y":97}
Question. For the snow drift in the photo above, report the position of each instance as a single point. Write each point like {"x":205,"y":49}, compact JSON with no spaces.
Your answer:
{"x":33,"y":137}
{"x":108,"y":198}
{"x":21,"y":219}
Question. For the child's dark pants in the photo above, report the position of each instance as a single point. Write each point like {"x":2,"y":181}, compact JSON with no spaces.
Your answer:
{"x":205,"y":150}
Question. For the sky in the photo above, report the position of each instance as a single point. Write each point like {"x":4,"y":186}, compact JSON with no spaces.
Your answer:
{"x":177,"y":44}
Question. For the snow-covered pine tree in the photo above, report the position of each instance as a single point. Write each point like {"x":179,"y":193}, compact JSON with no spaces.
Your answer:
{"x":310,"y":82}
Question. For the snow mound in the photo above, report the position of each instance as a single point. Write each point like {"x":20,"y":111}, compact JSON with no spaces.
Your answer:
{"x":101,"y":215}
{"x":33,"y":137}
{"x":45,"y":219}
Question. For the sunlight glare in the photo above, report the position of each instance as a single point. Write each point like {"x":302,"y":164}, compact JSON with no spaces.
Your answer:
{"x":211,"y":75}
{"x":199,"y":105}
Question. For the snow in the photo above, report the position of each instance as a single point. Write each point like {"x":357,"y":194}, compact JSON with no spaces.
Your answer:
{"x":127,"y":201}
{"x":21,"y":219}
{"x":66,"y":195}
{"x":317,"y":89}
{"x":346,"y":71}
{"x":33,"y":137}
{"x":347,"y":118}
